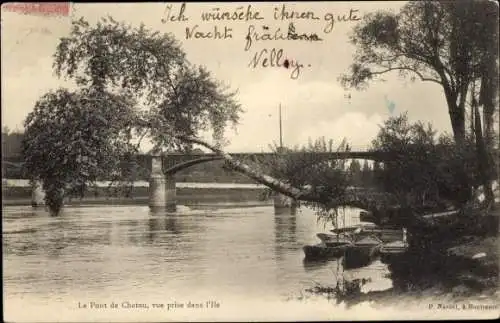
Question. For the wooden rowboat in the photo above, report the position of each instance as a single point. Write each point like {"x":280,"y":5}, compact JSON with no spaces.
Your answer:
{"x":357,"y":227}
{"x":333,"y":240}
{"x":384,"y":233}
{"x":322,"y":251}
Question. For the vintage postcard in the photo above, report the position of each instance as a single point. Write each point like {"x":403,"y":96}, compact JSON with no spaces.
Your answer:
{"x":250,"y":161}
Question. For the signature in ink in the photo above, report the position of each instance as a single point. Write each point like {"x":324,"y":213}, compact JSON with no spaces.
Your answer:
{"x":274,"y":58}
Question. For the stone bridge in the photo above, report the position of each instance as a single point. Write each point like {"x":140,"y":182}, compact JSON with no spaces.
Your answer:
{"x":162,"y":168}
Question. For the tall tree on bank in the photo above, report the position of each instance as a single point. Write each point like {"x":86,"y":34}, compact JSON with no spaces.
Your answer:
{"x":73,"y":139}
{"x":451,"y":43}
{"x":423,"y":171}
{"x":132,"y":84}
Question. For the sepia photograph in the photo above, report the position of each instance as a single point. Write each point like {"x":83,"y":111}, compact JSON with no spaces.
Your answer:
{"x":250,"y":161}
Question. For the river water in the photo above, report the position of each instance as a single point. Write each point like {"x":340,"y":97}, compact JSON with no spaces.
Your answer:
{"x":246,"y":262}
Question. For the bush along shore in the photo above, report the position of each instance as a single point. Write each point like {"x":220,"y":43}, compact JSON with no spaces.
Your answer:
{"x":455,"y":258}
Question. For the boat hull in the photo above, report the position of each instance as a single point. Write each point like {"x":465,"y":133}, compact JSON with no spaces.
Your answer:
{"x":322,"y":251}
{"x":333,"y":240}
{"x":385,"y":235}
{"x":360,"y":256}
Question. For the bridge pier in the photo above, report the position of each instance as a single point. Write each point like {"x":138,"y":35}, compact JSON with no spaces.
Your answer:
{"x":37,"y":194}
{"x":170,"y":193}
{"x":162,"y":190}
{"x":284,"y":204}
{"x":157,"y":193}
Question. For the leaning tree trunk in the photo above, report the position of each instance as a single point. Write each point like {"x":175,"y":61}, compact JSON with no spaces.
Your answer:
{"x":273,"y":183}
{"x":277,"y":185}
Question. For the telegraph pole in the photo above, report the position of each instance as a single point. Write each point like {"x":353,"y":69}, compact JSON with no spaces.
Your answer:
{"x":281,"y":131}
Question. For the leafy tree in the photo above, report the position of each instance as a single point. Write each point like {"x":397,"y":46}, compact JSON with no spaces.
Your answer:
{"x":325,"y":180}
{"x":11,"y":142}
{"x":132,"y":84}
{"x":449,"y":43}
{"x":73,"y":139}
{"x":424,"y":172}
{"x":11,"y":147}
{"x":175,"y":96}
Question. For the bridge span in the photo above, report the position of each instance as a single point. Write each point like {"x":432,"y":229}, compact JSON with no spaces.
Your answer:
{"x":162,"y":168}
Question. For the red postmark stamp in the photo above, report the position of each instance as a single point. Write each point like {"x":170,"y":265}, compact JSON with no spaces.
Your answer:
{"x":38,"y":8}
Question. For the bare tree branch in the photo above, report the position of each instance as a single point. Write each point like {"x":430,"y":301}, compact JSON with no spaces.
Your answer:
{"x":423,"y":78}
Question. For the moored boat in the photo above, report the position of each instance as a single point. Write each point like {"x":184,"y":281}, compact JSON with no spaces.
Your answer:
{"x":384,"y":233}
{"x":323,"y":251}
{"x":362,"y":252}
{"x":364,"y":226}
{"x":333,"y":240}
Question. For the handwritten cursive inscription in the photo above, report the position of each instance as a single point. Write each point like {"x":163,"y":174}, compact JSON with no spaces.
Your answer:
{"x":330,"y":19}
{"x":285,"y":14}
{"x":253,"y":35}
{"x":262,"y":26}
{"x":216,"y":14}
{"x":174,"y":18}
{"x":274,"y":58}
{"x":216,"y":33}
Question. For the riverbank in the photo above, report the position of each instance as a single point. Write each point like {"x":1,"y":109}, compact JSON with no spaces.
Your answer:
{"x":140,"y":195}
{"x":453,"y":263}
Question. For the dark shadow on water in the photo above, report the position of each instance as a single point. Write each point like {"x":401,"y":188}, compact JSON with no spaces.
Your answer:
{"x":285,"y":211}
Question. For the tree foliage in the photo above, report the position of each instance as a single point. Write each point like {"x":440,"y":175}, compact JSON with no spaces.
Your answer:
{"x":11,"y":147}
{"x":72,"y":139}
{"x":451,"y":43}
{"x":132,"y":83}
{"x":425,"y":170}
{"x":326,"y":180}
{"x":151,"y":67}
{"x":11,"y":142}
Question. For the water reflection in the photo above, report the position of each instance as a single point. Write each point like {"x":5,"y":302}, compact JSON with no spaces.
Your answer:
{"x":159,"y":225}
{"x":315,"y":264}
{"x":285,"y":233}
{"x":56,"y":235}
{"x":39,"y":211}
{"x":102,"y":251}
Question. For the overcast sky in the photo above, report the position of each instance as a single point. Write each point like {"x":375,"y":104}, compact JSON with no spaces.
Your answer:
{"x":313,"y":105}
